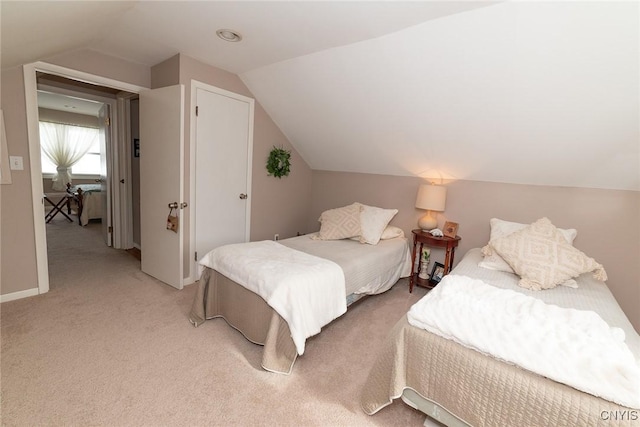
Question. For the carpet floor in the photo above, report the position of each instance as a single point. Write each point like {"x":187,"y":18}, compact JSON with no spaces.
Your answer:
{"x":111,"y":346}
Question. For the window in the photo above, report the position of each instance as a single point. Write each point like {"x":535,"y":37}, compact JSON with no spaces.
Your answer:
{"x":89,"y":162}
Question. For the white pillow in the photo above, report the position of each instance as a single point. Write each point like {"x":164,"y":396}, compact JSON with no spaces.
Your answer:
{"x":340,"y":223}
{"x":500,"y":228}
{"x":542,"y":257}
{"x":391,"y":232}
{"x":373,"y":221}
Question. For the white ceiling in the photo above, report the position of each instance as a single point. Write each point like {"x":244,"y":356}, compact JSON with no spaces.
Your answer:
{"x":525,"y":92}
{"x":69,"y":104}
{"x":149,"y":32}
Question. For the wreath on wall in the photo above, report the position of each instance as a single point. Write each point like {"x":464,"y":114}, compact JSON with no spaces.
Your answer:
{"x":278,"y":163}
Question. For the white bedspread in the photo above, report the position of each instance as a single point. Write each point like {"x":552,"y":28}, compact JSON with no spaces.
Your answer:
{"x":306,"y":291}
{"x":570,"y":346}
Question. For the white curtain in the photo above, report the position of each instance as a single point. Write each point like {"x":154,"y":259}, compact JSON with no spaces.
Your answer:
{"x":64,"y":145}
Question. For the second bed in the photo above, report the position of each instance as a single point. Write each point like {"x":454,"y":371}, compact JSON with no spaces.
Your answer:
{"x":367,"y":269}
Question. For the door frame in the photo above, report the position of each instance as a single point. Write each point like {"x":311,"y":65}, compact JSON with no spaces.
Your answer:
{"x":33,"y":135}
{"x":195,"y":85}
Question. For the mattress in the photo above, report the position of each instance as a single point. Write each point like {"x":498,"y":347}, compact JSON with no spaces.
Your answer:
{"x":368,"y":270}
{"x":460,"y":386}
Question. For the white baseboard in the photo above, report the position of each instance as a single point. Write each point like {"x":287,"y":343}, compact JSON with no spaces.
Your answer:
{"x":19,"y":295}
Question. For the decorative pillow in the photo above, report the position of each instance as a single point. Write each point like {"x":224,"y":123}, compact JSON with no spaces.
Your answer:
{"x":501,"y":228}
{"x":373,"y":221}
{"x":340,"y":223}
{"x":391,"y":232}
{"x":543,"y":258}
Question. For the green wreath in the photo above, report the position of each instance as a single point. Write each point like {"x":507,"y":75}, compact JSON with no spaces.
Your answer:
{"x":278,"y":164}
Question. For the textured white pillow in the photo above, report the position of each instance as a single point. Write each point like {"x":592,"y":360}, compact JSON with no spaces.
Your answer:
{"x":500,"y":228}
{"x":542,"y":257}
{"x":373,"y":221}
{"x":340,"y":223}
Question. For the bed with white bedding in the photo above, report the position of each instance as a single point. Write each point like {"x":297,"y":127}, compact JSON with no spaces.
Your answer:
{"x":460,"y":383}
{"x":233,"y":286}
{"x":89,"y":199}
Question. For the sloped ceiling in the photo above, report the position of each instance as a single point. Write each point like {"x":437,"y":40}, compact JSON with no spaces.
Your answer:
{"x":524,"y":92}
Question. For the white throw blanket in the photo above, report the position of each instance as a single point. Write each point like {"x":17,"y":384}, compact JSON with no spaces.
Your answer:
{"x":570,"y":346}
{"x":308,"y":292}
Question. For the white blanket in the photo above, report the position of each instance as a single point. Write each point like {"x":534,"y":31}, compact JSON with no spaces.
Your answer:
{"x":308,"y":292}
{"x":570,"y":346}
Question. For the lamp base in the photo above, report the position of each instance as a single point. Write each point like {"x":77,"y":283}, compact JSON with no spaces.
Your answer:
{"x":428,"y":222}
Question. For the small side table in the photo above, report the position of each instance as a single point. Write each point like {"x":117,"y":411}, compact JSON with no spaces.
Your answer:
{"x":421,"y":238}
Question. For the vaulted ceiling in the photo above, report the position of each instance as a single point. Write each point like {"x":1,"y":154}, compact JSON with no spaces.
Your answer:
{"x":524,"y":92}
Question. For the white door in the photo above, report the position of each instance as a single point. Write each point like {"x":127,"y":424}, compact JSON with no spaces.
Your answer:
{"x":161,"y":182}
{"x":104,"y":125}
{"x":224,"y":135}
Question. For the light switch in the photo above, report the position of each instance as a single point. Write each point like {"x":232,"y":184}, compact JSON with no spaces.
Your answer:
{"x":15,"y":163}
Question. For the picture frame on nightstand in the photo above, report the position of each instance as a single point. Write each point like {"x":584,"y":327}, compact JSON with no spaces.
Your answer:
{"x":450,"y":229}
{"x":437,"y":273}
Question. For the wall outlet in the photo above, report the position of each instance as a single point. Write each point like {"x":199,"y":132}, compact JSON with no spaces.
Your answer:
{"x":276,"y":237}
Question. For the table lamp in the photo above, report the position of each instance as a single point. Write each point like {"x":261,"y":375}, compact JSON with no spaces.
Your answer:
{"x":432,"y":198}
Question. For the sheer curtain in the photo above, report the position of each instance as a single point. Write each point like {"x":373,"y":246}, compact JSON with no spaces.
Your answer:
{"x":64,"y":145}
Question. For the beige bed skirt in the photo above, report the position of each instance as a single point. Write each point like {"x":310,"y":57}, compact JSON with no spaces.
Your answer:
{"x":219,"y":296}
{"x":477,"y":389}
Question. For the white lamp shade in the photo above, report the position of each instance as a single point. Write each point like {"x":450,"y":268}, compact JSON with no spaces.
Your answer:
{"x":431,"y":197}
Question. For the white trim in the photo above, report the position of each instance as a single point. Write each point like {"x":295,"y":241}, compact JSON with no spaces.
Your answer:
{"x":19,"y":295}
{"x":126,"y":201}
{"x":33,"y":133}
{"x":193,"y":264}
{"x":84,"y":77}
{"x":195,"y":85}
{"x":113,"y":174}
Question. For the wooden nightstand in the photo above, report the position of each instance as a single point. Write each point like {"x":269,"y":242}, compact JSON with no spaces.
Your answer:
{"x":421,"y":238}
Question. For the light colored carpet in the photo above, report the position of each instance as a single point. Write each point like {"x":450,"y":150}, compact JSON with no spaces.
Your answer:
{"x":111,"y":346}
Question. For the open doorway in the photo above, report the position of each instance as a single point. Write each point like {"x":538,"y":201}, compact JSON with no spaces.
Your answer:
{"x":74,"y":153}
{"x":67,"y":85}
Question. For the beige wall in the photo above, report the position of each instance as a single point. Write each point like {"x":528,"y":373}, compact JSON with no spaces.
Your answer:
{"x":277,"y":205}
{"x":606,"y":220}
{"x":17,"y":236}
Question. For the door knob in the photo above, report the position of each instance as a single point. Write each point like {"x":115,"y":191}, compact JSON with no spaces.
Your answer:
{"x":243,"y":196}
{"x":173,"y":205}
